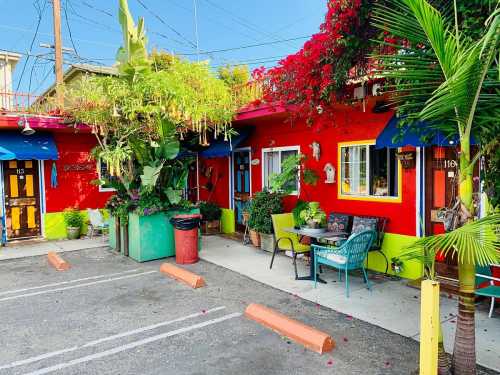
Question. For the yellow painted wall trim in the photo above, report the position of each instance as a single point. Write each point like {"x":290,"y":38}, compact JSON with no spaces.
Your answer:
{"x":429,"y":327}
{"x":365,"y":198}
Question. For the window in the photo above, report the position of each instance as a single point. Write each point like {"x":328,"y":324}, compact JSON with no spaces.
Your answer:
{"x":272,"y":160}
{"x":102,"y":171}
{"x":368,"y":172}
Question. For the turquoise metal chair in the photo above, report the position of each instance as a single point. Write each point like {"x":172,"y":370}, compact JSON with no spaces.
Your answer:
{"x":487,"y":285}
{"x":349,"y":256}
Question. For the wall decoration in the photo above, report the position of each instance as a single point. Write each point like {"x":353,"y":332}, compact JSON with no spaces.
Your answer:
{"x":255,"y":162}
{"x":316,"y":149}
{"x":330,"y":173}
{"x":407,"y":159}
{"x":79,"y":167}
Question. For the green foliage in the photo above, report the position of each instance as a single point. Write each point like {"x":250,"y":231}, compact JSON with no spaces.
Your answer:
{"x":313,"y":215}
{"x":310,"y":176}
{"x":210,"y":211}
{"x":299,"y":207}
{"x":72,"y":217}
{"x":477,"y":242}
{"x":263,"y":205}
{"x":284,"y":182}
{"x":119,"y":205}
{"x":491,"y":172}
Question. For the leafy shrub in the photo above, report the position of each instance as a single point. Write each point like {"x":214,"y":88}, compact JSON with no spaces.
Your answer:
{"x":299,"y":207}
{"x":210,"y":211}
{"x":72,"y":217}
{"x":263,"y":205}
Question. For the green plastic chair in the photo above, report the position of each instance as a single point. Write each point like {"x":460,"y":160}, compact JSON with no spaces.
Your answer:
{"x":349,"y":256}
{"x":286,"y":241}
{"x":490,"y":290}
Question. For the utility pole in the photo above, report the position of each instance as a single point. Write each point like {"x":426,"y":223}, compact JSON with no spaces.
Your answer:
{"x":58,"y":52}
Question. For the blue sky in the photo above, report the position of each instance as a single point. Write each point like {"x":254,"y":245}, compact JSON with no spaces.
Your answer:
{"x":95,"y":31}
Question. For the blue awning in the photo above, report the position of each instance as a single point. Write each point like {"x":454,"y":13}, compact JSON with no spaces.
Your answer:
{"x":220,"y":148}
{"x":39,"y":146}
{"x":395,"y":136}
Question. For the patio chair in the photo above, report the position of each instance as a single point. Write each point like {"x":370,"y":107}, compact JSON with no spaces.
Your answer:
{"x":286,"y":241}
{"x":349,"y":256}
{"x":487,"y":285}
{"x":96,"y":222}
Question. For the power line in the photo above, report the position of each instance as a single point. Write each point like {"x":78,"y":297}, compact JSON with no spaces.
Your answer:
{"x":166,"y":24}
{"x":69,"y":27}
{"x":39,"y":21}
{"x":247,"y":46}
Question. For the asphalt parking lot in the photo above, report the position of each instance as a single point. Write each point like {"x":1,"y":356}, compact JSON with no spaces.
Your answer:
{"x":110,"y":315}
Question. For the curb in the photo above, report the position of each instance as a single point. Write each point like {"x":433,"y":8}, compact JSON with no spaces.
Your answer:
{"x":57,"y":262}
{"x":193,"y":280}
{"x":305,"y":335}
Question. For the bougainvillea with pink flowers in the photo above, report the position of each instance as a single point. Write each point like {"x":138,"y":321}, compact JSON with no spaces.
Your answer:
{"x":317,"y":75}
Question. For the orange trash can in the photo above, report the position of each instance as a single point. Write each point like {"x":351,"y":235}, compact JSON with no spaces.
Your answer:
{"x":186,"y":238}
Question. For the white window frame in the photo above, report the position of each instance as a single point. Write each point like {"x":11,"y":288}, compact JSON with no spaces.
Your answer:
{"x":279,"y":150}
{"x":368,"y":196}
{"x":103,"y":189}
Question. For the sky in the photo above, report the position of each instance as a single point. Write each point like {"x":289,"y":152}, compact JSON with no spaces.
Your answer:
{"x":95,"y":34}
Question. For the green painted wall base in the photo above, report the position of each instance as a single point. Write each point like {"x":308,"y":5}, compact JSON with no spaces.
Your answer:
{"x":227,"y":220}
{"x":54,"y":227}
{"x":392,"y":246}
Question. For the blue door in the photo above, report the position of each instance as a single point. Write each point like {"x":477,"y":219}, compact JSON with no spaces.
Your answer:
{"x":241,"y":184}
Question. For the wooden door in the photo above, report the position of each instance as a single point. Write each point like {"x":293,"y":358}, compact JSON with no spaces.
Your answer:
{"x":241,"y":184}
{"x":442,"y":191}
{"x":22,"y":203}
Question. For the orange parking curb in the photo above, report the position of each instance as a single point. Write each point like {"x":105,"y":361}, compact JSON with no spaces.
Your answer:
{"x":189,"y":278}
{"x":310,"y":337}
{"x":57,"y":262}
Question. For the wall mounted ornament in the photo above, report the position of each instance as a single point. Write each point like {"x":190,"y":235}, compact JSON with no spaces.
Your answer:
{"x":316,"y":149}
{"x":330,"y":173}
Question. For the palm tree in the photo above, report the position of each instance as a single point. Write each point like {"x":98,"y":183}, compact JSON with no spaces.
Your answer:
{"x":445,"y":77}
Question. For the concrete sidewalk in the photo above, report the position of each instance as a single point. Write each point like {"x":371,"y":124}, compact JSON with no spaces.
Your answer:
{"x":42,"y":247}
{"x":391,"y":304}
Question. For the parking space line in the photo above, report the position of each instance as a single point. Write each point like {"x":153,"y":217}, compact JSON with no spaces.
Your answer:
{"x":67,"y":282}
{"x":131,"y":345}
{"x":40,"y":357}
{"x":75,"y":286}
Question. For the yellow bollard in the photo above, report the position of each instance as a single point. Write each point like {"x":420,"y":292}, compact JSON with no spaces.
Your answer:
{"x":429,"y":327}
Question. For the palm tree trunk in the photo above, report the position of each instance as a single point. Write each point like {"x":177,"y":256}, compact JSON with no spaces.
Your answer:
{"x":464,"y":351}
{"x":443,"y":359}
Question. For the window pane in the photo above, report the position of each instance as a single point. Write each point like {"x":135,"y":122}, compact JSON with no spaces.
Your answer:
{"x":353,"y":170}
{"x":292,"y":185}
{"x":383,"y":172}
{"x":271,"y":165}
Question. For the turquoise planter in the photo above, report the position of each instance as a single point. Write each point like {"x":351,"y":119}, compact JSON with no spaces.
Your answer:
{"x":152,"y":237}
{"x":112,"y":233}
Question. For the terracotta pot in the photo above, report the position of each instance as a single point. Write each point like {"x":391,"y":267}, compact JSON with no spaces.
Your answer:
{"x":210,"y":227}
{"x":255,"y":238}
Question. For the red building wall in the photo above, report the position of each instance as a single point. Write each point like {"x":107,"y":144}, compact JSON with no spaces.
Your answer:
{"x":74,"y":187}
{"x":214,"y":180}
{"x":350,"y":124}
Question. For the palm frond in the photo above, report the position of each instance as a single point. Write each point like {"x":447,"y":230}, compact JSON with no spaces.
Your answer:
{"x":477,"y":243}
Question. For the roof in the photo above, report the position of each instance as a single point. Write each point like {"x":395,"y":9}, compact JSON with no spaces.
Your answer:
{"x":7,"y":55}
{"x":81,"y":68}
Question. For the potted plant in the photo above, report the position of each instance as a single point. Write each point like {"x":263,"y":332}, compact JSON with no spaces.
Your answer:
{"x":396,"y":265}
{"x":210,"y":213}
{"x":314,"y":217}
{"x":73,"y":219}
{"x":264,"y":204}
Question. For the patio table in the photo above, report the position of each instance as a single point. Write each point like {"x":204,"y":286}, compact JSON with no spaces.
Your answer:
{"x":315,"y":238}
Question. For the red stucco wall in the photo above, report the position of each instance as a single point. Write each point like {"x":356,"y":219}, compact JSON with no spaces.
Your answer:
{"x":74,"y":188}
{"x":350,"y":124}
{"x":219,"y":179}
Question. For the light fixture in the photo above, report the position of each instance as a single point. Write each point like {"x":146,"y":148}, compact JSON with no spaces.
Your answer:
{"x":25,"y":125}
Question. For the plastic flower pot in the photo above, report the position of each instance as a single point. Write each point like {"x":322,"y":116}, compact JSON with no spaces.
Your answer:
{"x":73,"y":233}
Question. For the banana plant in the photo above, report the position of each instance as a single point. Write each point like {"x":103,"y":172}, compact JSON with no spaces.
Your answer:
{"x":445,"y":77}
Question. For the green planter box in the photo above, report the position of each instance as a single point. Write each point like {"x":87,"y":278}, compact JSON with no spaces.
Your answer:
{"x":112,"y":235}
{"x":152,"y":237}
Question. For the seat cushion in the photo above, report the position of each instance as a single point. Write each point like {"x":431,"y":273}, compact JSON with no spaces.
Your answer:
{"x":360,"y":224}
{"x":339,"y":222}
{"x":337,"y":258}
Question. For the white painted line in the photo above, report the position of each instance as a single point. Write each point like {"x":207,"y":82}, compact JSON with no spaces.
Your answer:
{"x":131,"y":345}
{"x":75,"y":286}
{"x":40,"y":357}
{"x":67,"y":282}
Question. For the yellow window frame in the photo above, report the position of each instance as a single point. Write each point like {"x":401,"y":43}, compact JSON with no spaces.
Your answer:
{"x":365,"y":198}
